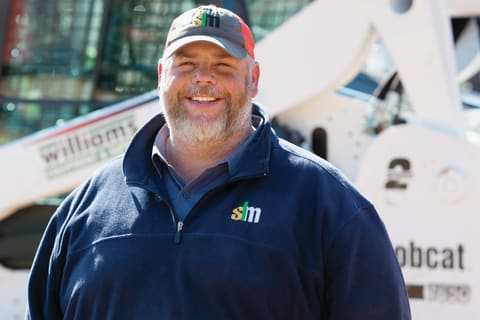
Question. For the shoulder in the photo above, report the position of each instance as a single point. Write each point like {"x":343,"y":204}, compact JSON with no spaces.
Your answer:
{"x":111,"y":172}
{"x":301,"y":157}
{"x":294,"y":163}
{"x":102,"y":183}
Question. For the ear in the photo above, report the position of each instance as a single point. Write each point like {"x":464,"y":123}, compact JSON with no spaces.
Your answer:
{"x":255,"y":78}
{"x":159,"y":69}
{"x":159,"y":72}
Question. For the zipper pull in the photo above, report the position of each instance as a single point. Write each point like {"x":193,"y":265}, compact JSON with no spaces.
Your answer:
{"x":178,"y":233}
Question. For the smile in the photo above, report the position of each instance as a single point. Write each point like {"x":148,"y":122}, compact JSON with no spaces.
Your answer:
{"x":203,"y":99}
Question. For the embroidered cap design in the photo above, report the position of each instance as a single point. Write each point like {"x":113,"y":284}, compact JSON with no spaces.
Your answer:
{"x":203,"y":18}
{"x":212,"y":24}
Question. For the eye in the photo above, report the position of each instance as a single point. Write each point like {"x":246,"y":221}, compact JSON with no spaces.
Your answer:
{"x":185,"y":63}
{"x":224,"y":66}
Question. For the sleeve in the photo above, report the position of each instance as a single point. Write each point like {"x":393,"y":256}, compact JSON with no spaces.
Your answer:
{"x":363,"y":277}
{"x":42,"y":295}
{"x":43,"y":291}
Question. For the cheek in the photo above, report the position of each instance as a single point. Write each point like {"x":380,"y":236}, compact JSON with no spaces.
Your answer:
{"x":170,"y":92}
{"x":171,"y":78}
{"x":168,"y":96}
{"x":167,"y":82}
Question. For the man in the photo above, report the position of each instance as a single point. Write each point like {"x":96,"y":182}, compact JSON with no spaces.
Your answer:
{"x":209,"y":215}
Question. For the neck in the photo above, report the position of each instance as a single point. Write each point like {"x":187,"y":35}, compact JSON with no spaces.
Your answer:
{"x":191,"y":160}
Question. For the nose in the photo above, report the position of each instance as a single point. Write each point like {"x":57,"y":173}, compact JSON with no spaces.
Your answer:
{"x":204,"y":74}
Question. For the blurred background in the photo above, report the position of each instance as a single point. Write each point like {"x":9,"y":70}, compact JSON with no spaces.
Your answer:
{"x":64,"y":58}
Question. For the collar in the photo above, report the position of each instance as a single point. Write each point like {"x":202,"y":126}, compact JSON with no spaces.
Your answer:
{"x":253,"y":160}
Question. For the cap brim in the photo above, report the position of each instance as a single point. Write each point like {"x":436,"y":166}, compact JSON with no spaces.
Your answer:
{"x":226,"y":45}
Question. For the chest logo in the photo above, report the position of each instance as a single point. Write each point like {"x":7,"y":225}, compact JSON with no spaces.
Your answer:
{"x":246,"y":214}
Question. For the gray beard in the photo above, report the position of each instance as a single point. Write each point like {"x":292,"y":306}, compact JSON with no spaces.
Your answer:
{"x":204,"y":130}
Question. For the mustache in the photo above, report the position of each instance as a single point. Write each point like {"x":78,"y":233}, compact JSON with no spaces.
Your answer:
{"x":202,"y":91}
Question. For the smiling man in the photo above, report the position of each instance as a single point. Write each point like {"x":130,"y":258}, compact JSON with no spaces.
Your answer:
{"x":207,"y":97}
{"x":209,"y":215}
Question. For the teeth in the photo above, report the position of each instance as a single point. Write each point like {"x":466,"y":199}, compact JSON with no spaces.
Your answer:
{"x":203,"y":99}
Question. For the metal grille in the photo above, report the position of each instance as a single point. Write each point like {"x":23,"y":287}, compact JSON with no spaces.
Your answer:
{"x":59,"y":36}
{"x":134,"y":42}
{"x":266,"y":15}
{"x":63,"y":58}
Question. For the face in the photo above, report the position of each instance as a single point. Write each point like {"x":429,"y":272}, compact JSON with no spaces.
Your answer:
{"x":206,"y":93}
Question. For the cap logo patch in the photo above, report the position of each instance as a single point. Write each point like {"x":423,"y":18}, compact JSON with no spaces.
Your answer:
{"x":205,"y":19}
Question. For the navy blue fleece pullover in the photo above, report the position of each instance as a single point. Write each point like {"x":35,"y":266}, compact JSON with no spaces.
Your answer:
{"x":286,"y":237}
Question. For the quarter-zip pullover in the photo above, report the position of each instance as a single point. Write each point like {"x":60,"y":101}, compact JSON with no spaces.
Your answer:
{"x":285,"y":237}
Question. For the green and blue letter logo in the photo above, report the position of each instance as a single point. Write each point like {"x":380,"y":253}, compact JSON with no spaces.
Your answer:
{"x":246,"y":213}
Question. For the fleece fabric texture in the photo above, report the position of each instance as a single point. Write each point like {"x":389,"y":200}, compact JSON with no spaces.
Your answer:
{"x":286,"y":237}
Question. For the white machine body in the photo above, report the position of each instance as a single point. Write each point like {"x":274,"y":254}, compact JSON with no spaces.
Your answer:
{"x":422,"y":175}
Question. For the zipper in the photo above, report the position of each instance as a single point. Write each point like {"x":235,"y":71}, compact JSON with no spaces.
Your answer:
{"x":178,"y":232}
{"x":178,"y":225}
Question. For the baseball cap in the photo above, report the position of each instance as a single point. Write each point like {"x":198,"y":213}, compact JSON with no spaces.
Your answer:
{"x":213,"y":24}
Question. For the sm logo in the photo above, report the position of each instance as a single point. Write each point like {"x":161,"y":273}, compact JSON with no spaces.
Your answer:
{"x":246,"y":213}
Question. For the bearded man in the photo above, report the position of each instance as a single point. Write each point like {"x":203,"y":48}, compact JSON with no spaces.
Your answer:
{"x":210,"y":215}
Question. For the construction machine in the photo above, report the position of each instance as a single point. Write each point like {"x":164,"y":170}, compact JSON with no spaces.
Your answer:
{"x":382,"y":89}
